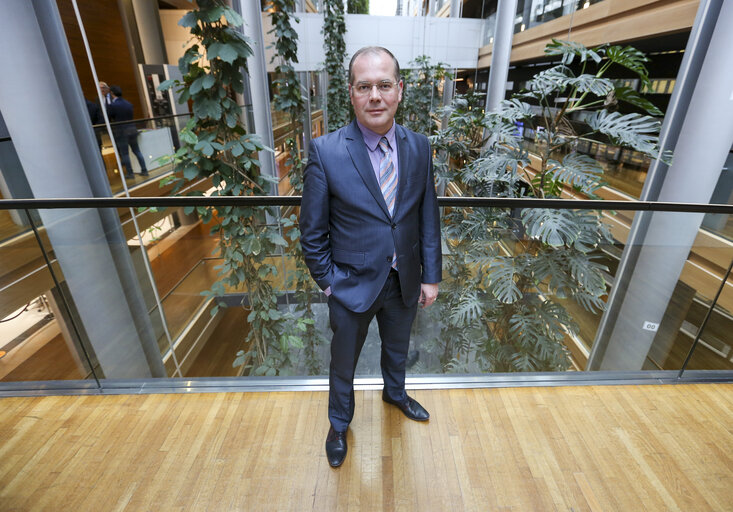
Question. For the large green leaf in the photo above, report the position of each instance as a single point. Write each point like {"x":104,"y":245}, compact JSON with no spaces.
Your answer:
{"x":587,"y":273}
{"x":630,"y":58}
{"x":514,"y":110}
{"x":592,"y":84}
{"x":629,"y":95}
{"x":468,"y":310}
{"x":569,"y":50}
{"x":548,"y":81}
{"x":634,"y":130}
{"x":553,"y":227}
{"x":501,"y":274}
{"x":189,"y":20}
{"x":578,"y":170}
{"x":226,"y":52}
{"x":550,"y":267}
{"x":204,"y":107}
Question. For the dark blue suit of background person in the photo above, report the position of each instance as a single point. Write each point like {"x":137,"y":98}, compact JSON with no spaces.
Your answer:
{"x":349,"y":238}
{"x":125,"y":134}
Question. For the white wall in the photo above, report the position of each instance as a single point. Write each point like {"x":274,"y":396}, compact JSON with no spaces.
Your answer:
{"x":453,"y":41}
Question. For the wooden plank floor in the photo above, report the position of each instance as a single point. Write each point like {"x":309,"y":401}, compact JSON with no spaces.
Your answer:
{"x":623,"y":448}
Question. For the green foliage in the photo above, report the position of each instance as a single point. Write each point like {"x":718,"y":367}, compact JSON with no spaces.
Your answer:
{"x":506,"y":267}
{"x":358,"y":6}
{"x":334,"y":28}
{"x":421,"y":97}
{"x":289,"y":99}
{"x":216,"y":146}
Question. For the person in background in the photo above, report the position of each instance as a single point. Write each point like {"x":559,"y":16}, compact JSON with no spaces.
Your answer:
{"x":125,"y":134}
{"x":106,"y":96}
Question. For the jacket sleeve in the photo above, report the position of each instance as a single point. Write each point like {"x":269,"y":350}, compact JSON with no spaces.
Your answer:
{"x":314,"y":220}
{"x":431,"y":257}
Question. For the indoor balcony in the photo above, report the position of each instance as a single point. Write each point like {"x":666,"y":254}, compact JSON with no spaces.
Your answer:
{"x":514,"y":299}
{"x":175,"y":409}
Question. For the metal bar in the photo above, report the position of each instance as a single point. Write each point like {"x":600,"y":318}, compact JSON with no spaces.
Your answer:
{"x":57,"y":284}
{"x":705,"y":320}
{"x":463,"y":202}
{"x":435,"y":381}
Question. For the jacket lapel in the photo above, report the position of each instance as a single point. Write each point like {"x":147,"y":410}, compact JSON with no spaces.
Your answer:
{"x":360,"y":158}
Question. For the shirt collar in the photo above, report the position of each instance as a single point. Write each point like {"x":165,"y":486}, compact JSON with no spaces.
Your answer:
{"x":371,"y":139}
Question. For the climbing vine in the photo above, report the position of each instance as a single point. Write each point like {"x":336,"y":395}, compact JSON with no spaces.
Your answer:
{"x":334,"y":28}
{"x":421,"y":97}
{"x":215,"y":145}
{"x":288,"y":98}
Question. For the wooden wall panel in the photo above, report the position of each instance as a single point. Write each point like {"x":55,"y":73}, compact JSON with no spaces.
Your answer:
{"x":106,"y":34}
{"x":611,"y":21}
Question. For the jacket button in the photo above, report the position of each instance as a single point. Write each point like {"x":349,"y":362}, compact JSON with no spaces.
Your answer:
{"x":394,"y":226}
{"x":389,"y":259}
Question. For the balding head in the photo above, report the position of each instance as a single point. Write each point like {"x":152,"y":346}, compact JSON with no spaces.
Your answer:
{"x":373,"y":50}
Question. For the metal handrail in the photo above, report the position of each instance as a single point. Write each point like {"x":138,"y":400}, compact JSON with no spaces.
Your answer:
{"x":464,"y":202}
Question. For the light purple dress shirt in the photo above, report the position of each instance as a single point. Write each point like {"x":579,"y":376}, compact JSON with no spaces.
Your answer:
{"x":371,"y":140}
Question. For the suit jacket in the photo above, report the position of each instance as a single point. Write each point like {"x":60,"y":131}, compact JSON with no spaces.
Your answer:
{"x":347,"y":235}
{"x":121,"y":110}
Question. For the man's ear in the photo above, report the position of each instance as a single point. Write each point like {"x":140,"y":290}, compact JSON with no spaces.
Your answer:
{"x":400,"y":85}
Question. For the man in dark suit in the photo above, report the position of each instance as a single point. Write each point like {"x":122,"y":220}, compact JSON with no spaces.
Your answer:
{"x":371,"y":236}
{"x":125,"y":134}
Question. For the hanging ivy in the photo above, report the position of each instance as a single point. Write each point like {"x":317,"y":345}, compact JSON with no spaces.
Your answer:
{"x":421,"y":97}
{"x":334,"y":28}
{"x":358,"y":6}
{"x":215,"y":145}
{"x":288,"y":98}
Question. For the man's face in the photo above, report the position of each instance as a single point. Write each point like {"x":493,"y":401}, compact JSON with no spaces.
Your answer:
{"x":104,"y":89}
{"x":376,"y":109}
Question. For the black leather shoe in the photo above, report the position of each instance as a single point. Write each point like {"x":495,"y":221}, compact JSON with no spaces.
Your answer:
{"x":335,"y":447}
{"x":410,"y":407}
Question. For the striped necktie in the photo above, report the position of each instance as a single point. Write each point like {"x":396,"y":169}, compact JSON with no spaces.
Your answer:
{"x":388,"y":182}
{"x":387,"y":176}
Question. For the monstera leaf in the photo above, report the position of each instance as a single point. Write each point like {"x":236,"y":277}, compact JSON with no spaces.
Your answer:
{"x":514,"y":110}
{"x":569,"y":50}
{"x":469,"y":309}
{"x":633,"y":130}
{"x":500,"y":166}
{"x":551,"y":267}
{"x":548,"y":81}
{"x":578,"y":170}
{"x":592,"y":84}
{"x":553,"y":227}
{"x":629,"y":95}
{"x":630,"y":58}
{"x":501,"y":274}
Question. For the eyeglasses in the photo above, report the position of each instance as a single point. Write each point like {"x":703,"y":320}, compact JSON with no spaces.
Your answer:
{"x":365,"y":88}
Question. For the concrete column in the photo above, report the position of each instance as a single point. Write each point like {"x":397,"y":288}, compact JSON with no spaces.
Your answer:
{"x":656,"y":253}
{"x":150,"y":31}
{"x":50,"y":129}
{"x":257,"y":67}
{"x":305,"y":83}
{"x":500,"y":53}
{"x":449,"y":87}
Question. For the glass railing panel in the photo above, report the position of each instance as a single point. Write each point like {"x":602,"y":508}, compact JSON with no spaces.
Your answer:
{"x":712,"y":325}
{"x":38,"y":338}
{"x":668,"y":280}
{"x":143,"y":147}
{"x":523,"y":290}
